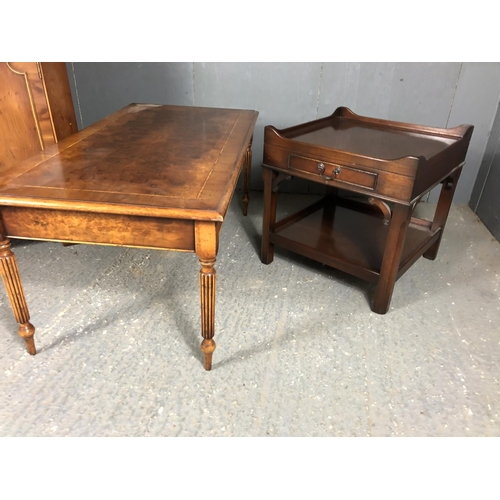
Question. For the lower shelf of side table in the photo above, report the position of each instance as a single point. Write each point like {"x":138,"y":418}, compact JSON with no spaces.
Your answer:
{"x":350,"y":236}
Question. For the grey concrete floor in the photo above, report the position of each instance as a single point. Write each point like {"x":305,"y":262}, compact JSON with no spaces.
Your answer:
{"x":299,"y":352}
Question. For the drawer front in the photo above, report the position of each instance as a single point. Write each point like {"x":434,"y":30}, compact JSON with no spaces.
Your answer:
{"x":332,"y":171}
{"x":105,"y":229}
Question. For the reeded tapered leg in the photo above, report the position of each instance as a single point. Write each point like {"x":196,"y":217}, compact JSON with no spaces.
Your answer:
{"x":392,"y":256}
{"x":15,"y":292}
{"x":246,"y":178}
{"x":207,"y":296}
{"x":206,"y":241}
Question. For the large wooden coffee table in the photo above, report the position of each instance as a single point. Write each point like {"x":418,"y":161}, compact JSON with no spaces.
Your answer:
{"x":147,"y":176}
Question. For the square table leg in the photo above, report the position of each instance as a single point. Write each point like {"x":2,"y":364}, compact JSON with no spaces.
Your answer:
{"x":442,"y":210}
{"x":15,"y":292}
{"x":269,"y":217}
{"x":400,"y":219}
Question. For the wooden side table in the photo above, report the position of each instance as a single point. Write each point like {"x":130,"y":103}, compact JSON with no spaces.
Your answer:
{"x":147,"y":176}
{"x":389,"y":166}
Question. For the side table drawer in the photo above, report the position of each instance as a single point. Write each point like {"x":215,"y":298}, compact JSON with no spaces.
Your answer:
{"x":332,"y":171}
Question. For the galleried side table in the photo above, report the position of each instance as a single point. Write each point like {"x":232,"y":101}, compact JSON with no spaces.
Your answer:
{"x":388,"y":166}
{"x":147,"y":176}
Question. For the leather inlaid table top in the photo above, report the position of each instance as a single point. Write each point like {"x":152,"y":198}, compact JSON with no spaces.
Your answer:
{"x":144,"y":159}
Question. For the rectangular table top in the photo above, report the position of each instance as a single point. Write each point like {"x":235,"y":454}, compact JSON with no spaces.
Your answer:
{"x":155,"y":160}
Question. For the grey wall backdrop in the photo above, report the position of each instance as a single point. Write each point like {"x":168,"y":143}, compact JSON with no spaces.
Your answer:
{"x":285,"y":94}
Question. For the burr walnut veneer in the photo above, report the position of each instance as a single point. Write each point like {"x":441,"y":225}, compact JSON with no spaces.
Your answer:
{"x":375,"y":172}
{"x":147,"y":176}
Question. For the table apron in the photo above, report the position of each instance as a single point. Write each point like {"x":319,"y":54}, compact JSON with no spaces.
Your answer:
{"x":94,"y":228}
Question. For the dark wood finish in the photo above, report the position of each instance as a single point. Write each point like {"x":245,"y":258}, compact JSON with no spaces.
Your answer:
{"x":146,"y":176}
{"x":442,"y":211}
{"x":392,"y":257}
{"x":269,"y":219}
{"x":388,"y":166}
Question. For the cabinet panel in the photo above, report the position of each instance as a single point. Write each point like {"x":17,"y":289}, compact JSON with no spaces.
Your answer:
{"x":36,"y":109}
{"x":59,"y":100}
{"x":20,"y":136}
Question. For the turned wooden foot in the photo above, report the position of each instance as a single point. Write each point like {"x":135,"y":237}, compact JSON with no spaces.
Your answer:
{"x":208,"y":347}
{"x":27,"y":331}
{"x":15,"y":292}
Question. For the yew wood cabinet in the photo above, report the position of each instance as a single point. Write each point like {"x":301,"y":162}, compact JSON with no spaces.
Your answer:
{"x":375,"y":172}
{"x":148,"y":176}
{"x":36,"y":109}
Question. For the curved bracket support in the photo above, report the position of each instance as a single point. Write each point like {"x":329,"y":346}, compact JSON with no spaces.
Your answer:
{"x":383,"y":207}
{"x":279,"y":179}
{"x":450,"y":182}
